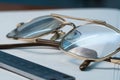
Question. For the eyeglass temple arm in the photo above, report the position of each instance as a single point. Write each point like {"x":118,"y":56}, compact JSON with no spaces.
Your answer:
{"x":89,"y":20}
{"x":114,"y":60}
{"x":39,"y":42}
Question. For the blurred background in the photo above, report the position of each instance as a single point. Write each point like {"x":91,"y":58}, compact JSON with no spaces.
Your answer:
{"x":53,"y":4}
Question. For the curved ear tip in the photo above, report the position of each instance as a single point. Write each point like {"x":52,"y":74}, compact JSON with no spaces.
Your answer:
{"x":84,"y":65}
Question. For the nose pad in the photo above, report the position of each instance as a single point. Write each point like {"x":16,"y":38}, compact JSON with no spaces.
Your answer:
{"x":84,"y":52}
{"x":58,"y":35}
{"x":20,"y":24}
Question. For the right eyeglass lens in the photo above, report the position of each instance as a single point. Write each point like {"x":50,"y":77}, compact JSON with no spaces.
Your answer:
{"x":91,"y":41}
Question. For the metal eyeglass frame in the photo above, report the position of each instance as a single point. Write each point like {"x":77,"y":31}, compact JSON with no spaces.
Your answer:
{"x":54,"y":43}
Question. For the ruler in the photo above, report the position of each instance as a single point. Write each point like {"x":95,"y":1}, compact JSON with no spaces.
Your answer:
{"x":29,"y":69}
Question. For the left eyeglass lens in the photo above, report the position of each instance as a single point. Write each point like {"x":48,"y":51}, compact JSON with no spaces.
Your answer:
{"x":35,"y":28}
{"x":91,"y":41}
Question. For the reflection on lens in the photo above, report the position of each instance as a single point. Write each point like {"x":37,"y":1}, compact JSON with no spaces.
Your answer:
{"x":84,"y":52}
{"x":75,"y":34}
{"x":97,"y":40}
{"x":35,"y":28}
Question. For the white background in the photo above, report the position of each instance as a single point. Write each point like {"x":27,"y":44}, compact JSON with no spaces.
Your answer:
{"x":55,"y":59}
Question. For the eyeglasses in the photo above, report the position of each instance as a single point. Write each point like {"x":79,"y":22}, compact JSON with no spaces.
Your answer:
{"x":93,"y":41}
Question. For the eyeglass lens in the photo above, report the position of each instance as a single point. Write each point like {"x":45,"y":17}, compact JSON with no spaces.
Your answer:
{"x":35,"y":28}
{"x":91,"y":41}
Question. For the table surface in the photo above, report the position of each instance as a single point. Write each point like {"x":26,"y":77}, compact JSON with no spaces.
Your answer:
{"x":55,"y":59}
